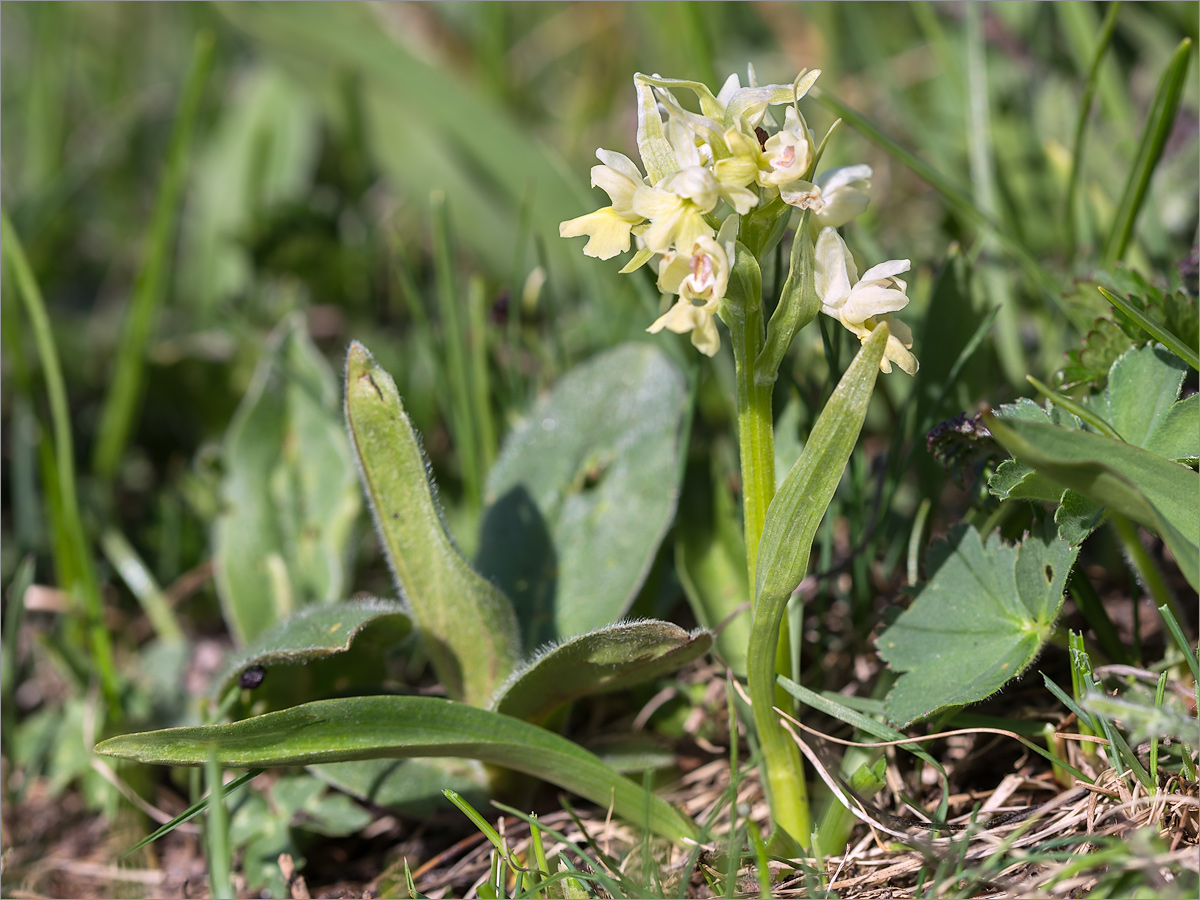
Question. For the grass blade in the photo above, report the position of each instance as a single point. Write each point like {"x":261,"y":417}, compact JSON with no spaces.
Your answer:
{"x":142,"y":584}
{"x":402,"y":727}
{"x":84,"y":583}
{"x":1154,"y":138}
{"x":194,"y":810}
{"x":1156,"y":330}
{"x":1085,"y":107}
{"x":124,"y":395}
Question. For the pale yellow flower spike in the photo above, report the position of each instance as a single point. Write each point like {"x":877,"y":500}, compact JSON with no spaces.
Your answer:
{"x":860,"y":304}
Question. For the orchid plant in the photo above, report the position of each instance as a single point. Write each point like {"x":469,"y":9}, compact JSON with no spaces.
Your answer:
{"x":721,"y":188}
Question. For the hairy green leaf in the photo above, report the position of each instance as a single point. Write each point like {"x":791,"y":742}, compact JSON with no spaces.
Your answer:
{"x":607,"y":659}
{"x":399,"y":727}
{"x":316,"y":633}
{"x":978,"y":623}
{"x":583,"y":492}
{"x":289,"y":498}
{"x":466,"y":623}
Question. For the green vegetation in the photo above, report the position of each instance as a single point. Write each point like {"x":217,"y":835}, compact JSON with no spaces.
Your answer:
{"x":378,"y":600}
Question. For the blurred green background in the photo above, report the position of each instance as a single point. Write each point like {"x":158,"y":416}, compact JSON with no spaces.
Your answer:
{"x":336,"y":154}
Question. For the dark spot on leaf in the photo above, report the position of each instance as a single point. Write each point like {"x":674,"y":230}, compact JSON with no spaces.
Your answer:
{"x":1049,"y":573}
{"x":395,"y":515}
{"x":252,"y":677}
{"x":592,"y":476}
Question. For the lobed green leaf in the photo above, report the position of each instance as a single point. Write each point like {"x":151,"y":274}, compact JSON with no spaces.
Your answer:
{"x":1156,"y":492}
{"x":979,"y":622}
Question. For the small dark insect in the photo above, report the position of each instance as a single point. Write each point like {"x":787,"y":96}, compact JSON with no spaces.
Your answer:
{"x":252,"y":677}
{"x":961,"y":443}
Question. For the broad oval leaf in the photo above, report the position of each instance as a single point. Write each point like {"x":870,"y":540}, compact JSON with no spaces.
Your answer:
{"x":316,"y":633}
{"x":583,"y":492}
{"x":399,"y":727}
{"x":289,"y":501}
{"x":608,"y":659}
{"x":466,"y":623}
{"x":980,"y":620}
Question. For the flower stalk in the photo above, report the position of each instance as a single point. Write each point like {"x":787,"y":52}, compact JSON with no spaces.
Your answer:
{"x":723,"y":187}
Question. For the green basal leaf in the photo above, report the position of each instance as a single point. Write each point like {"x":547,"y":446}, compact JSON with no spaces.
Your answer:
{"x":608,"y":659}
{"x":289,"y":501}
{"x":316,"y":633}
{"x":979,"y":622}
{"x":400,"y":727}
{"x":467,"y":624}
{"x":583,"y":493}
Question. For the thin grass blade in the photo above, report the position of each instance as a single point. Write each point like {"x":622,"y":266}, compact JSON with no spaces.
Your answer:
{"x":1154,"y":138}
{"x":123,"y":401}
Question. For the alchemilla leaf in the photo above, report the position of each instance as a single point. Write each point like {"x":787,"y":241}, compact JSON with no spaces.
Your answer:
{"x":982,"y":618}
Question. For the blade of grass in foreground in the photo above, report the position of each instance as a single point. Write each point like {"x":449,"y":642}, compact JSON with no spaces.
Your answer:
{"x":401,"y":727}
{"x":124,"y":395}
{"x":1154,"y":138}
{"x":1085,"y":107}
{"x":1157,"y":331}
{"x":84,"y":583}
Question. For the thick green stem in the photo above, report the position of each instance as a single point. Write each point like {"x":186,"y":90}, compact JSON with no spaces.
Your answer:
{"x":756,"y":440}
